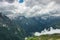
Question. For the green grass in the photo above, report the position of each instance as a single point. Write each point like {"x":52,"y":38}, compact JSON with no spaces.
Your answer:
{"x":45,"y":37}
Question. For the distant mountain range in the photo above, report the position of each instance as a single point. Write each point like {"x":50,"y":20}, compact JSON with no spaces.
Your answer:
{"x":37,"y":24}
{"x":33,"y":24}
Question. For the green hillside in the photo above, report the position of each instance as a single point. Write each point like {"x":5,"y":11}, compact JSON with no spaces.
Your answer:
{"x":45,"y":37}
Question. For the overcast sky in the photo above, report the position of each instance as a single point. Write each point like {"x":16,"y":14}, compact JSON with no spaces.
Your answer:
{"x":30,"y":8}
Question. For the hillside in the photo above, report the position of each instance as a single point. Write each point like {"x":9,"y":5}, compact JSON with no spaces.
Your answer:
{"x":45,"y":37}
{"x":9,"y":30}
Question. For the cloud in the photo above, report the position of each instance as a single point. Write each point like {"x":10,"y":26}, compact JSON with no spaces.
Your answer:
{"x":1,"y":0}
{"x":36,"y":2}
{"x":44,"y":32}
{"x":10,"y":1}
{"x":29,"y":8}
{"x":57,"y":1}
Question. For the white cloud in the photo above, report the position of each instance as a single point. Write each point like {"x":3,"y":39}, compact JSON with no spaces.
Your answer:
{"x":30,"y":8}
{"x":44,"y":32}
{"x":10,"y":1}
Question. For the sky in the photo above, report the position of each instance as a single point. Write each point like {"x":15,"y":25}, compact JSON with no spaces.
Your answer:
{"x":30,"y":8}
{"x":21,"y":1}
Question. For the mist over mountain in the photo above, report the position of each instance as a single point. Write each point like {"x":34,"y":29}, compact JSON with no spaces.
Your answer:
{"x":31,"y":15}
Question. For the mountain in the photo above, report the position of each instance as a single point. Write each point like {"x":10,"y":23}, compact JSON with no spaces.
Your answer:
{"x":37,"y":24}
{"x":9,"y":30}
{"x":45,"y":37}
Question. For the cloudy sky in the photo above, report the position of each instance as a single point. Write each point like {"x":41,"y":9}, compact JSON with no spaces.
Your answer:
{"x":30,"y":8}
